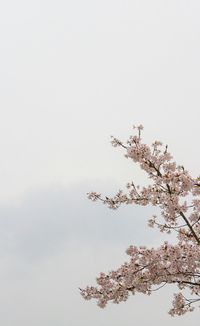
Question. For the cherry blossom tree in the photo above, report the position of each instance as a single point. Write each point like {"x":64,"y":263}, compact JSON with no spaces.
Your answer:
{"x":177,"y":194}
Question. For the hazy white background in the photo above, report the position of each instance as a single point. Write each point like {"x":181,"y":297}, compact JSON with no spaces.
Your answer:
{"x":72,"y":73}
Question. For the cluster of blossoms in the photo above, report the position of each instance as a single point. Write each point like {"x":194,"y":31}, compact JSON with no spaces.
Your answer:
{"x":177,"y":195}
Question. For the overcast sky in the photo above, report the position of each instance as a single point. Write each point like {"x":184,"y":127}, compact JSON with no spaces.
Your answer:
{"x":72,"y":73}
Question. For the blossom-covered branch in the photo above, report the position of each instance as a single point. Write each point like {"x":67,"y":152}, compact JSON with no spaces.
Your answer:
{"x":176,"y":193}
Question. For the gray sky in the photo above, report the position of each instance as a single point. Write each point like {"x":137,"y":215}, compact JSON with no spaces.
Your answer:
{"x":72,"y":73}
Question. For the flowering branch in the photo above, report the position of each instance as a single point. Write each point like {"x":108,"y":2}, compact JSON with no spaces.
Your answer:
{"x":176,"y":193}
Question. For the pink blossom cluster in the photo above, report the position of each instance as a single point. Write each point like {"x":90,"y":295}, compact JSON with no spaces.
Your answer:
{"x":176,"y":193}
